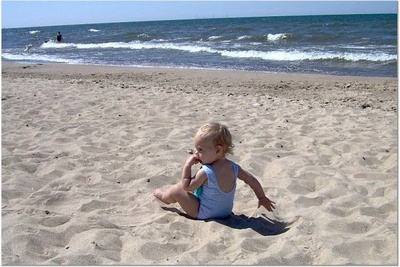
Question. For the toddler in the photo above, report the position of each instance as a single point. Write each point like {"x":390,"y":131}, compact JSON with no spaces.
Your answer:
{"x":210,"y":192}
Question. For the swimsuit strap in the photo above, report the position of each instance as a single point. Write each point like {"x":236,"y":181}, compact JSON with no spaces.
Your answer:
{"x":208,"y":169}
{"x":235,"y":169}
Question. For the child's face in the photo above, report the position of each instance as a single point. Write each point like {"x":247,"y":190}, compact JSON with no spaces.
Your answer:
{"x":206,"y":151}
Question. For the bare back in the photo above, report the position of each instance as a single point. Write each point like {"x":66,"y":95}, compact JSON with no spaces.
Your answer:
{"x":225,"y":175}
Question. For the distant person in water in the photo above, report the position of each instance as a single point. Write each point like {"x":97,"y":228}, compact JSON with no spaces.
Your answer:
{"x":59,"y":37}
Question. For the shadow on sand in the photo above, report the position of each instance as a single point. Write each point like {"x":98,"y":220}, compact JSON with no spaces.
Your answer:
{"x":262,"y":225}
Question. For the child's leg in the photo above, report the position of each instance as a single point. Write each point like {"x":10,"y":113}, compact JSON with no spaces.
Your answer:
{"x":189,"y":203}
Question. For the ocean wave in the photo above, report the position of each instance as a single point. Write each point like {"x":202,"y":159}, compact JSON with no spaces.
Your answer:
{"x":130,"y":45}
{"x":368,"y":57}
{"x":56,"y":45}
{"x":34,"y":32}
{"x":93,"y":30}
{"x":243,"y":37}
{"x":275,"y":55}
{"x":144,"y":35}
{"x":363,"y":47}
{"x":265,"y":37}
{"x":38,"y":58}
{"x":212,"y":38}
{"x":311,"y":56}
{"x":276,"y":37}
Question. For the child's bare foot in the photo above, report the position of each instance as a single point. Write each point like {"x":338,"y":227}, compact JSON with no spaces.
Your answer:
{"x":158,"y":193}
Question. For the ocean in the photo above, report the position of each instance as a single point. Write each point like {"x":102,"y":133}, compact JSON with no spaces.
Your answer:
{"x":359,"y":45}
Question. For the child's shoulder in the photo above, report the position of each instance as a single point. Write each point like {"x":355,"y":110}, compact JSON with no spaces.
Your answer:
{"x":232,"y":163}
{"x":228,"y":165}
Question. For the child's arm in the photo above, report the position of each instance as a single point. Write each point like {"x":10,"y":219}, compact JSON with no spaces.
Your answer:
{"x":191,"y":183}
{"x":249,"y":179}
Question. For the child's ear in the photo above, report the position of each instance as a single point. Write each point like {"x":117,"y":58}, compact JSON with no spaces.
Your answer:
{"x":219,"y":148}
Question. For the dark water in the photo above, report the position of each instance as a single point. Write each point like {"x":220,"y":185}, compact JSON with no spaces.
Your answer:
{"x":362,"y":45}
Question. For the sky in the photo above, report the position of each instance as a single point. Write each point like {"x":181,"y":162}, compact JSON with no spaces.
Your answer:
{"x":16,"y":14}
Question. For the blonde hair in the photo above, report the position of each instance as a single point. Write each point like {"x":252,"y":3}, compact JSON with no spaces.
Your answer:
{"x":219,"y":134}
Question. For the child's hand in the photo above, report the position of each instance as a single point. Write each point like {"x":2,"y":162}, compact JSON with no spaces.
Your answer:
{"x":192,"y":160}
{"x":266,"y":203}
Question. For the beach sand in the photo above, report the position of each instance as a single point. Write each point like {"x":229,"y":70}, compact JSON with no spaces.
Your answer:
{"x":84,"y":147}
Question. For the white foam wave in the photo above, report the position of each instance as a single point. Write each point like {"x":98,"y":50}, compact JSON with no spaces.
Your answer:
{"x":276,"y":37}
{"x":299,"y":56}
{"x":144,"y":35}
{"x":189,"y":48}
{"x":211,"y":38}
{"x":270,"y":37}
{"x":244,"y":37}
{"x":368,"y":57}
{"x":93,"y":30}
{"x":52,"y":44}
{"x":131,"y":45}
{"x":277,"y":55}
{"x":366,"y":46}
{"x":34,"y":32}
{"x":38,"y":58}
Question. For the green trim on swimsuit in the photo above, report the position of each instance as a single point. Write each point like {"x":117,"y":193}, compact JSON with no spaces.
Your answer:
{"x":197,"y":191}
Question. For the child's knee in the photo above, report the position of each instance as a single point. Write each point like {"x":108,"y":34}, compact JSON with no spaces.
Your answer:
{"x":177,"y":189}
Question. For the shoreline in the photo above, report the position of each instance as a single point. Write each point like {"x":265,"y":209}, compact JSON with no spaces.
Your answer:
{"x":84,"y":147}
{"x":107,"y":68}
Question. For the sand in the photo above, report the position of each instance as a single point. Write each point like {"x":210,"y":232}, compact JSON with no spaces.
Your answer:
{"x":84,"y":147}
